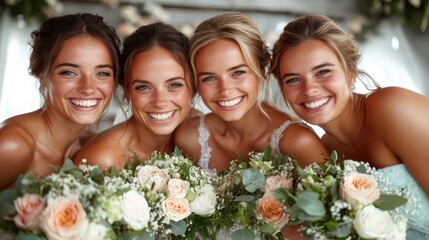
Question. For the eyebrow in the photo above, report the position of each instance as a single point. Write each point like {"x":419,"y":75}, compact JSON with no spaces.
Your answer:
{"x":148,"y":82}
{"x":76,"y":65}
{"x":229,"y":69}
{"x":312,"y":69}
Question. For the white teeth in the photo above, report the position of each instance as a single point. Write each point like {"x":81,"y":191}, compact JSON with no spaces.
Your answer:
{"x":84,"y":103}
{"x":230,"y":103}
{"x":316,"y":104}
{"x":161,"y":116}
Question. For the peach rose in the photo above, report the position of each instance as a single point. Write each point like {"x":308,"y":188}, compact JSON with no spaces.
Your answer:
{"x":358,"y":189}
{"x":275,"y":182}
{"x":29,"y":208}
{"x":64,"y":218}
{"x":271,"y":211}
{"x":176,"y":209}
{"x":150,"y":176}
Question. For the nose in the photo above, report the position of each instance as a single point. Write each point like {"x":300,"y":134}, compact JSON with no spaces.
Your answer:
{"x":310,"y":87}
{"x":160,"y":99}
{"x":86,"y":84}
{"x":225,"y":87}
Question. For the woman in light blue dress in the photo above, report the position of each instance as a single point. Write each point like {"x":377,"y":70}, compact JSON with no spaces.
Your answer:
{"x":315,"y":63}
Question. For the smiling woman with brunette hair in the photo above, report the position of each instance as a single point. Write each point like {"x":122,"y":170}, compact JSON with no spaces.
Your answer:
{"x":76,"y":60}
{"x":157,"y":83}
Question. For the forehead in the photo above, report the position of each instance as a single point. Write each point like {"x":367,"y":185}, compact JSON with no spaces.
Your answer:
{"x":221,"y":49}
{"x":308,"y":53}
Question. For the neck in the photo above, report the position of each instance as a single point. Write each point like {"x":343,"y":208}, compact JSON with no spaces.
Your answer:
{"x":347,"y":126}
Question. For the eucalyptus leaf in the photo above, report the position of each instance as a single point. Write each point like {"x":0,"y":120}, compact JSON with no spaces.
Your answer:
{"x":342,"y":231}
{"x":243,"y":234}
{"x":361,"y":169}
{"x":333,"y":158}
{"x":8,"y":195}
{"x":244,"y":198}
{"x":253,"y":180}
{"x":7,"y":209}
{"x":388,"y":202}
{"x":177,"y":152}
{"x":136,"y":235}
{"x":268,"y":228}
{"x":97,"y":175}
{"x":303,"y":216}
{"x":179,"y":228}
{"x":309,"y":202}
{"x":68,"y":165}
{"x":28,"y":236}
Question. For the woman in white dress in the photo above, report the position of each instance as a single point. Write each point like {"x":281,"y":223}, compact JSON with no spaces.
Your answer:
{"x":315,"y":63}
{"x":229,"y":59}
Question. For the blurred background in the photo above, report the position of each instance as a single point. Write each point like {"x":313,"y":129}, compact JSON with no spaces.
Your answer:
{"x":393,"y":36}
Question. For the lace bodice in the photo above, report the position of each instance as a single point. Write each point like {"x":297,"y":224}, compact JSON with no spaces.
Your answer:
{"x":204,"y":135}
{"x":397,"y":177}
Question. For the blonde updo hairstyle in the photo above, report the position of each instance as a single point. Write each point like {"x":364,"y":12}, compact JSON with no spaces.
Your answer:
{"x":242,"y":30}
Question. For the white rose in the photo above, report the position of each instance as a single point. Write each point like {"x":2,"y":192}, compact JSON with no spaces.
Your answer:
{"x":400,"y":228}
{"x":95,"y":231}
{"x":135,"y":210}
{"x":205,"y":202}
{"x":176,"y":209}
{"x":275,"y":182}
{"x":151,"y":176}
{"x":177,"y":188}
{"x":371,"y":222}
{"x":359,"y":189}
{"x":64,"y":218}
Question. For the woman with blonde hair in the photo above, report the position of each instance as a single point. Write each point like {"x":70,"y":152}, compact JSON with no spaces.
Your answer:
{"x":229,"y":60}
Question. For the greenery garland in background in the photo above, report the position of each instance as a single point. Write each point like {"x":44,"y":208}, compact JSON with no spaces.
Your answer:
{"x":413,"y":14}
{"x":410,"y":13}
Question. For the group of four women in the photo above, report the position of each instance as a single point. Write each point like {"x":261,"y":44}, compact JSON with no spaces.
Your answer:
{"x":228,"y":64}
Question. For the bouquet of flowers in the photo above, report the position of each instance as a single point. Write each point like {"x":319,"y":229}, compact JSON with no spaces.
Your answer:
{"x":248,"y":209}
{"x":343,"y":200}
{"x":163,"y":197}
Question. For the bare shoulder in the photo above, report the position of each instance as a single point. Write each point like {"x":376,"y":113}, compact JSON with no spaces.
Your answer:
{"x":390,"y":106}
{"x":17,"y":149}
{"x":302,"y":143}
{"x":106,"y":149}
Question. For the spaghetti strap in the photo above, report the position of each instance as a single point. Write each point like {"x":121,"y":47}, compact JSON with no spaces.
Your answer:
{"x":276,"y":135}
{"x":203,"y":140}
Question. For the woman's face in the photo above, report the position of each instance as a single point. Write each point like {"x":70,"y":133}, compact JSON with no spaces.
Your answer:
{"x":227,"y":85}
{"x":81,"y":80}
{"x":159,"y":90}
{"x":313,"y":82}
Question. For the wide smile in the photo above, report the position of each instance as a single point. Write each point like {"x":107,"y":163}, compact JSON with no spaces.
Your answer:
{"x":230,"y":103}
{"x":85,"y":103}
{"x":316,"y":104}
{"x":162,"y":116}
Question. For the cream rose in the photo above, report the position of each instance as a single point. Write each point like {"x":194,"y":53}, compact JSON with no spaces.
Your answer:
{"x":135,"y":210}
{"x":95,"y":231}
{"x":271,"y":211}
{"x":359,"y":189}
{"x":29,"y":208}
{"x":177,"y":188}
{"x":273,"y":183}
{"x":151,"y":176}
{"x":205,"y":202}
{"x":176,"y":209}
{"x":64,"y":218}
{"x":371,"y":222}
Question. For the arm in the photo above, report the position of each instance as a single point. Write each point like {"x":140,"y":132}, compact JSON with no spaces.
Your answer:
{"x":301,"y":143}
{"x":399,"y":117}
{"x":17,"y":149}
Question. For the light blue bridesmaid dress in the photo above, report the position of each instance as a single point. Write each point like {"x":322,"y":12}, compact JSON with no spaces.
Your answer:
{"x":398,"y":177}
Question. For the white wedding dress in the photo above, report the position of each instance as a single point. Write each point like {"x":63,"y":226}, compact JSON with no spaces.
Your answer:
{"x":398,"y":177}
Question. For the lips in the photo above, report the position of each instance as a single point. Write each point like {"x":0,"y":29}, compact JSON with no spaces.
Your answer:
{"x":230,"y":103}
{"x":316,"y":104}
